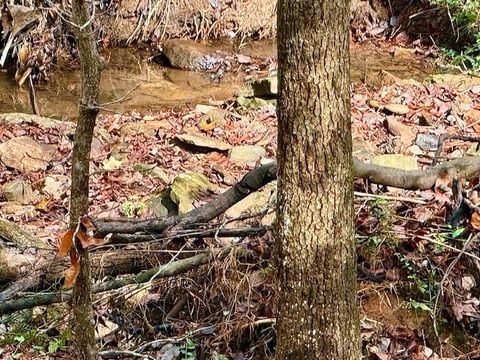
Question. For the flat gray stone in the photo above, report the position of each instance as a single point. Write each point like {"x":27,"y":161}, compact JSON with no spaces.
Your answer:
{"x":247,"y":153}
{"x":25,"y":154}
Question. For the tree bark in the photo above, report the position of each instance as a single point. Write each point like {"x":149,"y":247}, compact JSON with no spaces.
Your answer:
{"x":315,"y":256}
{"x":91,"y":67}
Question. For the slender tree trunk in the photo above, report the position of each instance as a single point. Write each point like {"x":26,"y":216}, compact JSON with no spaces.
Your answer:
{"x":91,"y":68}
{"x":317,"y":310}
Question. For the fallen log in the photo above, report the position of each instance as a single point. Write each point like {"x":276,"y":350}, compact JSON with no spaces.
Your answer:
{"x":209,"y":233}
{"x":463,"y":168}
{"x":47,"y":267}
{"x":251,"y":182}
{"x":27,"y":264}
{"x":162,"y":271}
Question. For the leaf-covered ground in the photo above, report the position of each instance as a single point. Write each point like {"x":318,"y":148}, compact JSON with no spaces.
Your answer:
{"x":418,"y":256}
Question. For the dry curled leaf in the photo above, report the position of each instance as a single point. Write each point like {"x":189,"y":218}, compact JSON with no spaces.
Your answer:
{"x":443,"y":182}
{"x":66,"y":243}
{"x":87,"y":241}
{"x":475,"y":220}
{"x":73,"y":271}
{"x":474,"y":198}
{"x":87,"y":222}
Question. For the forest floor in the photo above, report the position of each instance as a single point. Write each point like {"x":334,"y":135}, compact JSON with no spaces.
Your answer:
{"x":418,"y":253}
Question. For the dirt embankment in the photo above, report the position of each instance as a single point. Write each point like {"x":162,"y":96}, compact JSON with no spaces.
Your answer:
{"x":203,"y":19}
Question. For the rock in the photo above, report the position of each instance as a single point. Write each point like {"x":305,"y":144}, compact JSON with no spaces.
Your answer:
{"x":266,"y":161}
{"x":18,"y":191}
{"x":363,"y":150}
{"x":375,"y":104}
{"x":111,"y":164}
{"x":472,"y":150}
{"x":187,"y":187}
{"x":105,"y":328}
{"x":56,"y":185}
{"x":96,"y":148}
{"x":11,"y":208}
{"x":20,"y":118}
{"x":457,"y":153}
{"x":137,"y":128}
{"x":459,"y":82}
{"x":398,"y":109}
{"x":403,"y":54}
{"x":387,"y":78}
{"x":405,"y":133}
{"x":103,"y":135}
{"x":203,"y":141}
{"x":204,"y":108}
{"x":161,"y":205}
{"x":189,"y":55}
{"x":212,"y":119}
{"x":427,"y":142}
{"x":254,"y":202}
{"x":24,"y":154}
{"x":261,"y":88}
{"x":414,"y":150}
{"x":254,"y":103}
{"x":247,"y":153}
{"x":153,"y":170}
{"x":120,"y":151}
{"x":397,"y":161}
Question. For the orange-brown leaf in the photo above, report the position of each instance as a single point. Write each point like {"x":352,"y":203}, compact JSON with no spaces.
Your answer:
{"x":475,"y":221}
{"x":443,"y":182}
{"x":474,"y":198}
{"x":87,"y":241}
{"x":72,"y":272}
{"x":71,"y":275}
{"x":87,"y":222}
{"x":66,"y":243}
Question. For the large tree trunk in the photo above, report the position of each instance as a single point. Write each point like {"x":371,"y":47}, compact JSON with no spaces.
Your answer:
{"x":317,"y":310}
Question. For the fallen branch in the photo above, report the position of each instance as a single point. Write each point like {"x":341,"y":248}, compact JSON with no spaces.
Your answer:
{"x":209,"y":233}
{"x":251,"y":182}
{"x":170,"y":269}
{"x":464,"y":168}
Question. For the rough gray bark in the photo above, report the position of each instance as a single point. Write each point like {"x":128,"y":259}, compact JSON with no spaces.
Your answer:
{"x":315,"y":256}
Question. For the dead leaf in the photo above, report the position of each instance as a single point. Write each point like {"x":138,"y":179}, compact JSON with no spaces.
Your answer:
{"x":88,"y":241}
{"x":404,"y":132}
{"x":87,"y":222}
{"x":73,"y":271}
{"x":66,"y":243}
{"x":443,"y":182}
{"x":474,"y":198}
{"x":44,"y":204}
{"x":475,"y":220}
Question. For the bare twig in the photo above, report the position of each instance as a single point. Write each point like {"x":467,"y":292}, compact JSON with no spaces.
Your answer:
{"x":120,"y":99}
{"x":112,"y":354}
{"x":444,"y":278}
